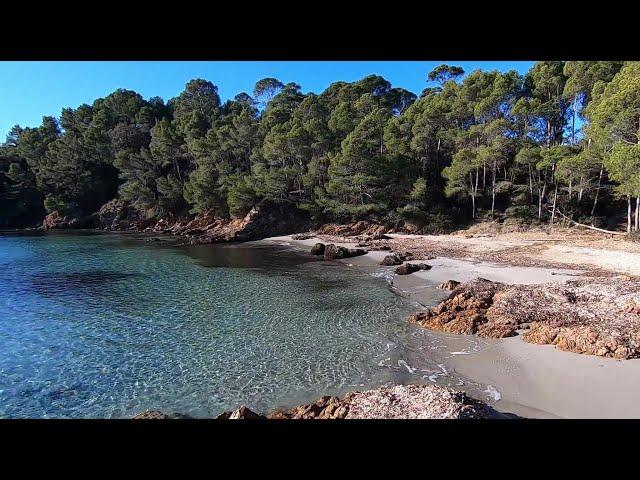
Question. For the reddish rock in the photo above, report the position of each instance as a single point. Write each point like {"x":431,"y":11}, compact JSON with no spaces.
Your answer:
{"x":74,"y":220}
{"x":448,"y":285}
{"x":240,"y":413}
{"x":589,"y":316}
{"x":396,"y":402}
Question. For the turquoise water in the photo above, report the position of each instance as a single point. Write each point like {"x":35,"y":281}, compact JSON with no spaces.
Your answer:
{"x":105,"y":326}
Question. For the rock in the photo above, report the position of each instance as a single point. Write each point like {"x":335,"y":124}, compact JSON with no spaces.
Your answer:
{"x":396,"y":259}
{"x":391,"y":260}
{"x":117,"y":214}
{"x":594,"y":316}
{"x":397,"y":402}
{"x":151,"y":415}
{"x":74,"y":220}
{"x":334,"y":252}
{"x":318,"y":249}
{"x":325,"y":408}
{"x":448,"y":285}
{"x":464,"y":311}
{"x":240,"y":413}
{"x":409,"y":268}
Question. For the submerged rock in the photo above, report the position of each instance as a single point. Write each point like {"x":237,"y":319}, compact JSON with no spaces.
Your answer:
{"x":151,"y":415}
{"x":158,"y":415}
{"x":318,"y":249}
{"x":409,"y":268}
{"x":334,"y":252}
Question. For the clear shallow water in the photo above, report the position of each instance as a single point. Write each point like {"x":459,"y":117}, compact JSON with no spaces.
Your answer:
{"x":105,"y":326}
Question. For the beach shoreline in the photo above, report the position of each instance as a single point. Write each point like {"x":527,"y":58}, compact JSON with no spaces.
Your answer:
{"x":535,"y":381}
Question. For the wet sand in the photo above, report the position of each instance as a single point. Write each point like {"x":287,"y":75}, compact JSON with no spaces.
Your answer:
{"x":534,"y":381}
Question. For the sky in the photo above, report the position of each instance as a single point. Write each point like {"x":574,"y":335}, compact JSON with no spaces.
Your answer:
{"x":30,"y":90}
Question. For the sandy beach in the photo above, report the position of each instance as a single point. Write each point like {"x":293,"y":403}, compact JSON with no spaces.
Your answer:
{"x":534,"y":381}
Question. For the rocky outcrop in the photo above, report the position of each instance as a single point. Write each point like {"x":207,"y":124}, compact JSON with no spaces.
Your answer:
{"x":334,"y":252}
{"x":318,"y":249}
{"x":264,"y":220}
{"x":397,"y":402}
{"x":120,"y":215}
{"x":73,"y":220}
{"x":464,"y":311}
{"x":240,"y":413}
{"x":409,"y":268}
{"x":324,"y":408}
{"x":448,"y":285}
{"x":589,"y":316}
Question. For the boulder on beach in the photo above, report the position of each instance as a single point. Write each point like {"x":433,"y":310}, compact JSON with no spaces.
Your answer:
{"x":409,"y":268}
{"x":318,"y":249}
{"x":391,"y":260}
{"x":334,"y":252}
{"x":396,"y":259}
{"x":448,"y":285}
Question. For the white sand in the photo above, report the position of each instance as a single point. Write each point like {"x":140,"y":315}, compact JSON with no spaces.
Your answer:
{"x":531,"y":380}
{"x":609,"y":258}
{"x":542,"y":382}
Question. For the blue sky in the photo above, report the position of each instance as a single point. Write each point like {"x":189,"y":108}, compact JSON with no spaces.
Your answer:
{"x":29,"y":90}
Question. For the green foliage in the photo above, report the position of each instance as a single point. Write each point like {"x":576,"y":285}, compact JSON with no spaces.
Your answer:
{"x":486,"y":144}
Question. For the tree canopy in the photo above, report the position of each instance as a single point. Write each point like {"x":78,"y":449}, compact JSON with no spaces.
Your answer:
{"x":563,"y":138}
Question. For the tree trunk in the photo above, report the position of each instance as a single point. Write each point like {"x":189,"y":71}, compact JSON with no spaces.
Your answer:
{"x":484,"y":176}
{"x":530,"y":181}
{"x":555,"y":199}
{"x":493,"y":189}
{"x":595,"y":201}
{"x":628,"y":213}
{"x":473,"y":206}
{"x":540,"y":197}
{"x":473,"y":195}
{"x":637,"y":213}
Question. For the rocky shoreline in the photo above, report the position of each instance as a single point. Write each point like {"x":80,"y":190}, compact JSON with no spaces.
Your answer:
{"x":395,"y":402}
{"x":591,"y":316}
